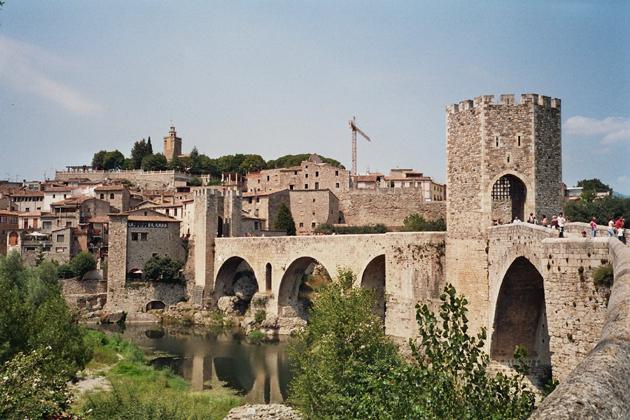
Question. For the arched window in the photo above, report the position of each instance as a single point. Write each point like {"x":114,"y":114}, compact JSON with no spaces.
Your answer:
{"x":13,"y":239}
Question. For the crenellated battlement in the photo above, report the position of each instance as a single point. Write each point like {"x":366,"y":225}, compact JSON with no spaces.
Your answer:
{"x":505,"y":100}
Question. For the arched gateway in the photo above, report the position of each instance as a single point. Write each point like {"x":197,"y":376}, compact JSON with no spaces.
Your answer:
{"x":520,"y":318}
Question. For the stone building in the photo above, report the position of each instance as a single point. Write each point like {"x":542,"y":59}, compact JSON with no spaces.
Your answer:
{"x":8,"y":224}
{"x":73,"y":212}
{"x":265,"y":205}
{"x":312,"y":174}
{"x":503,"y":162}
{"x":27,"y":200}
{"x":136,"y":236}
{"x":53,"y":194}
{"x":311,"y":208}
{"x":172,"y":145}
{"x":402,"y":178}
{"x":117,"y":195}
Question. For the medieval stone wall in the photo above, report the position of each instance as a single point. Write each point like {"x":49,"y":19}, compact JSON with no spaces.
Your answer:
{"x":151,"y":180}
{"x":134,"y":297}
{"x":388,"y":206}
{"x":311,"y":208}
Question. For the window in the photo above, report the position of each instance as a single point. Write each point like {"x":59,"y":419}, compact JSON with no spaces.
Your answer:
{"x":258,"y":199}
{"x":305,"y":175}
{"x":306,"y":186}
{"x":337,"y":185}
{"x":317,"y":185}
{"x":47,"y":225}
{"x":313,"y":212}
{"x":102,"y":196}
{"x":294,"y":172}
{"x":168,"y":213}
{"x":267,"y":177}
{"x":64,"y":196}
{"x":53,"y":195}
{"x":336,"y":173}
{"x":508,"y":159}
{"x":111,"y":196}
{"x":60,"y":238}
{"x":313,"y":200}
{"x":134,"y":236}
{"x":13,"y":239}
{"x":175,"y":212}
{"x":144,"y":236}
{"x":496,"y":141}
{"x":249,"y":200}
{"x":291,"y":187}
{"x":518,"y":140}
{"x":313,"y":224}
{"x":68,"y":224}
{"x":301,"y":224}
{"x":316,"y":174}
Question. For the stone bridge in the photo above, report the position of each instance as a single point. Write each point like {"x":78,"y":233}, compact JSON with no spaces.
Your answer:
{"x":402,"y":268}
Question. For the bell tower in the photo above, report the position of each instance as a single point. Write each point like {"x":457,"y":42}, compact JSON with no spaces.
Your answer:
{"x":172,"y":145}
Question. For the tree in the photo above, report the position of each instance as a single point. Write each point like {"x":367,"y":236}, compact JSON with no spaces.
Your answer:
{"x":594,"y":184}
{"x":195,"y":182}
{"x":139,"y":150}
{"x":602,"y":209}
{"x":346,"y":367}
{"x":97,"y":160}
{"x":284,"y":220}
{"x":417,"y":223}
{"x":252,"y":163}
{"x":156,"y":162}
{"x":113,"y":160}
{"x":163,"y":269}
{"x":82,"y":263}
{"x":295,"y":160}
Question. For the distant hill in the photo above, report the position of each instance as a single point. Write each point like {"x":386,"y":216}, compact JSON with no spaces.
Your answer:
{"x":620,"y":195}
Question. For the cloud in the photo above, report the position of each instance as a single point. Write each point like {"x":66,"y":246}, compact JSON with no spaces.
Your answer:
{"x":24,"y":67}
{"x":610,"y":129}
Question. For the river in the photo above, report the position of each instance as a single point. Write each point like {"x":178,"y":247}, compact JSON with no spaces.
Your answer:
{"x":258,"y":372}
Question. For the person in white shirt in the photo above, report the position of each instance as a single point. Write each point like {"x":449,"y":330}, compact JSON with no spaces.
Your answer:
{"x":561,"y":222}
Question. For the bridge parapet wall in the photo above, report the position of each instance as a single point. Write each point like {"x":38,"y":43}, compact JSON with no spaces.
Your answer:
{"x":597,"y":387}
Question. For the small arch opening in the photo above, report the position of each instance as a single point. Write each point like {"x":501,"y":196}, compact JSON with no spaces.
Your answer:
{"x":299,"y":285}
{"x":374,"y":279}
{"x":268,"y":277}
{"x":155,"y":305}
{"x":235,"y":286}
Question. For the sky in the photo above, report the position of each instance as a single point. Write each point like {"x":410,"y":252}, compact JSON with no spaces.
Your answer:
{"x":280,"y":77}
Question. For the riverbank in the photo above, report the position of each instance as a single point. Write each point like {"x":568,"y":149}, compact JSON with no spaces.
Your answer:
{"x":131,"y":388}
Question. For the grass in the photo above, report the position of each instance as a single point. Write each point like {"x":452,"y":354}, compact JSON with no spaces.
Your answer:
{"x":143,"y":392}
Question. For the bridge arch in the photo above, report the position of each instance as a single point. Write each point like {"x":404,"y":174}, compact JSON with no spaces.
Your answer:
{"x":236,"y":278}
{"x":295,"y":289}
{"x":508,"y":197}
{"x":373,"y":277}
{"x":520,"y":316}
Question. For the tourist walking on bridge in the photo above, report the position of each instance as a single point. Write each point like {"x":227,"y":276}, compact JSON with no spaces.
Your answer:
{"x":561,"y":222}
{"x":611,"y":228}
{"x":593,"y":227}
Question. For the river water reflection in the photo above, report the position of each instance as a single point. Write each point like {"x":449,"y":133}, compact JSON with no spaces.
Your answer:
{"x":259,"y":372}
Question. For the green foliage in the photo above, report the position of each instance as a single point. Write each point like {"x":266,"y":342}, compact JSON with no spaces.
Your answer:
{"x":284,"y":220}
{"x":65,"y":271}
{"x":260,"y":316}
{"x":287,"y":161}
{"x":252,"y":163}
{"x":255,"y":337}
{"x":345,"y":366}
{"x":139,"y":151}
{"x":327,"y":229}
{"x":416,"y":223}
{"x":35,"y":319}
{"x":604,"y":276}
{"x":82,"y":263}
{"x":155,"y":162}
{"x":163,"y":269}
{"x":143,"y":392}
{"x":602,"y":209}
{"x":108,"y":160}
{"x":195,"y":182}
{"x":594,"y":185}
{"x":30,"y":386}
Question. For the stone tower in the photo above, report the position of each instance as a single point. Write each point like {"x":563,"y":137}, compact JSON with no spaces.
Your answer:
{"x":172,"y":145}
{"x":216,"y":214}
{"x":503,"y":161}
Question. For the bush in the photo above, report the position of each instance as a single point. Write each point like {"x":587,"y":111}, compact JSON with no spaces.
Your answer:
{"x":604,"y":276}
{"x":30,"y":387}
{"x":327,"y":229}
{"x":82,"y":263}
{"x":35,"y":319}
{"x":345,"y":366}
{"x":260,"y":316}
{"x":256,"y":337}
{"x":163,"y":269}
{"x":65,"y":271}
{"x":417,"y":223}
{"x":195,"y":182}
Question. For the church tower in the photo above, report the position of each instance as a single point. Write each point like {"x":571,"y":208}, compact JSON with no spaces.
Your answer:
{"x":172,"y":145}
